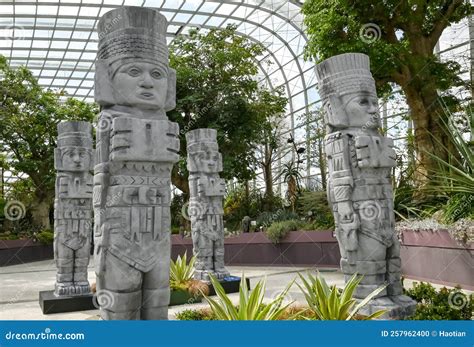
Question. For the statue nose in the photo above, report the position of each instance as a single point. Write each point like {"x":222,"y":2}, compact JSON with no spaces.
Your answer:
{"x":146,"y":82}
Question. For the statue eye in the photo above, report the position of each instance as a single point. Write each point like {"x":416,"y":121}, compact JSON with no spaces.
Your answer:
{"x":364,"y":102}
{"x":156,"y":74}
{"x":134,"y":72}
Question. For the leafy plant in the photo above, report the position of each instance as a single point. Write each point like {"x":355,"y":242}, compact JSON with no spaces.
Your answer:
{"x":328,"y":303}
{"x":315,"y":207}
{"x":181,"y":272}
{"x":278,"y":230}
{"x":200,"y":314}
{"x":251,"y":305}
{"x":445,"y":304}
{"x":265,"y":219}
{"x":46,"y":237}
{"x":454,"y":176}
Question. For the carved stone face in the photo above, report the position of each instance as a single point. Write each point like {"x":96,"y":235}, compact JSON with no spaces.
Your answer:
{"x":362,"y":110}
{"x":76,"y":159}
{"x":141,"y":84}
{"x":207,"y":161}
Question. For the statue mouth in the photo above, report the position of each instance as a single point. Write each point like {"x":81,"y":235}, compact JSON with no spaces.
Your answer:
{"x":147,"y":95}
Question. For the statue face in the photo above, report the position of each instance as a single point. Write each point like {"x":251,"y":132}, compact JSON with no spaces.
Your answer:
{"x":143,"y":85}
{"x":76,"y":159}
{"x":207,"y":161}
{"x":362,"y":110}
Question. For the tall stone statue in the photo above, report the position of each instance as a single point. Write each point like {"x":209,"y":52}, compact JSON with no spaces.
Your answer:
{"x":360,"y":160}
{"x":73,"y":207}
{"x":136,"y":148}
{"x":206,"y":191}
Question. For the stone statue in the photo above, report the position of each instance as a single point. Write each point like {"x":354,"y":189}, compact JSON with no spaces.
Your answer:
{"x":246,"y":224}
{"x":206,"y":191}
{"x":359,"y":188}
{"x":73,"y":207}
{"x":135,"y":151}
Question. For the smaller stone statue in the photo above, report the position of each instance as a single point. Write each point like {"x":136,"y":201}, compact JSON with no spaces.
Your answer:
{"x":73,"y":207}
{"x":246,"y":224}
{"x":207,"y":190}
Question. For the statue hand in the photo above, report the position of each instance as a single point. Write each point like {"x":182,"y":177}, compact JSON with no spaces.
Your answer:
{"x":346,"y":212}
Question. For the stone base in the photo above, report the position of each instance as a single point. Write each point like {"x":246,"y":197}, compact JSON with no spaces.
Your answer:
{"x":51,"y":303}
{"x":396,"y":308}
{"x":231,"y":284}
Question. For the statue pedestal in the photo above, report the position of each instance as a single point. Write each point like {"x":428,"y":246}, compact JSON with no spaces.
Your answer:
{"x":231,"y":284}
{"x":51,"y":303}
{"x":395,"y":312}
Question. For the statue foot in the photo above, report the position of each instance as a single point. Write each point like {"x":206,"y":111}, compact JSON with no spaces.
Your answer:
{"x":82,"y":288}
{"x":64,"y":288}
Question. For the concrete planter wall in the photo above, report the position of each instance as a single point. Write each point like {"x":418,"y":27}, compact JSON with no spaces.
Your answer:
{"x":436,"y":257}
{"x":14,"y":252}
{"x":297,"y":248}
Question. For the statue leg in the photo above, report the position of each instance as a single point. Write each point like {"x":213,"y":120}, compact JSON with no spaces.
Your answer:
{"x":156,"y":288}
{"x":219,"y":265}
{"x":118,"y":289}
{"x":204,"y":260}
{"x":81,"y":261}
{"x":64,"y":276}
{"x":395,"y":287}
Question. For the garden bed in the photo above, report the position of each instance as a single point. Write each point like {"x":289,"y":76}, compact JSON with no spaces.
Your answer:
{"x":434,"y":256}
{"x":314,"y":248}
{"x":14,"y":252}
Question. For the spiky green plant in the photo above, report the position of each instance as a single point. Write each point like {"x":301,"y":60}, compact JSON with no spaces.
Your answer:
{"x":454,"y":177}
{"x":181,"y":272}
{"x":251,"y":304}
{"x":328,"y":303}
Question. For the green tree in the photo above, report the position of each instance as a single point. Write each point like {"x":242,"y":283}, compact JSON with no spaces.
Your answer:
{"x":404,"y":35}
{"x":269,"y":140}
{"x":217,"y":88}
{"x":28,"y":118}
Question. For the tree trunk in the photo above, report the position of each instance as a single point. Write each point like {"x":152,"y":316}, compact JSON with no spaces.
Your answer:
{"x":40,"y":213}
{"x":268,"y":177}
{"x":430,"y":136}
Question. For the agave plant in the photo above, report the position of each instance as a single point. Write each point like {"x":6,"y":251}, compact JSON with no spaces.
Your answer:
{"x":181,"y":272}
{"x":328,"y":303}
{"x":251,"y":305}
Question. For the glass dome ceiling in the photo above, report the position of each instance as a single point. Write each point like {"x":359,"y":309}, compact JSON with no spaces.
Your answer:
{"x":57,"y":40}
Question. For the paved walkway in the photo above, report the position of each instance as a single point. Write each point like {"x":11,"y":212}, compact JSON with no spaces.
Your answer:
{"x":20,"y":285}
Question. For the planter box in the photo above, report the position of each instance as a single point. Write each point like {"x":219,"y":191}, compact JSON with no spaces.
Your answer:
{"x":14,"y":252}
{"x":436,"y":257}
{"x":181,"y":297}
{"x":313,"y":248}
